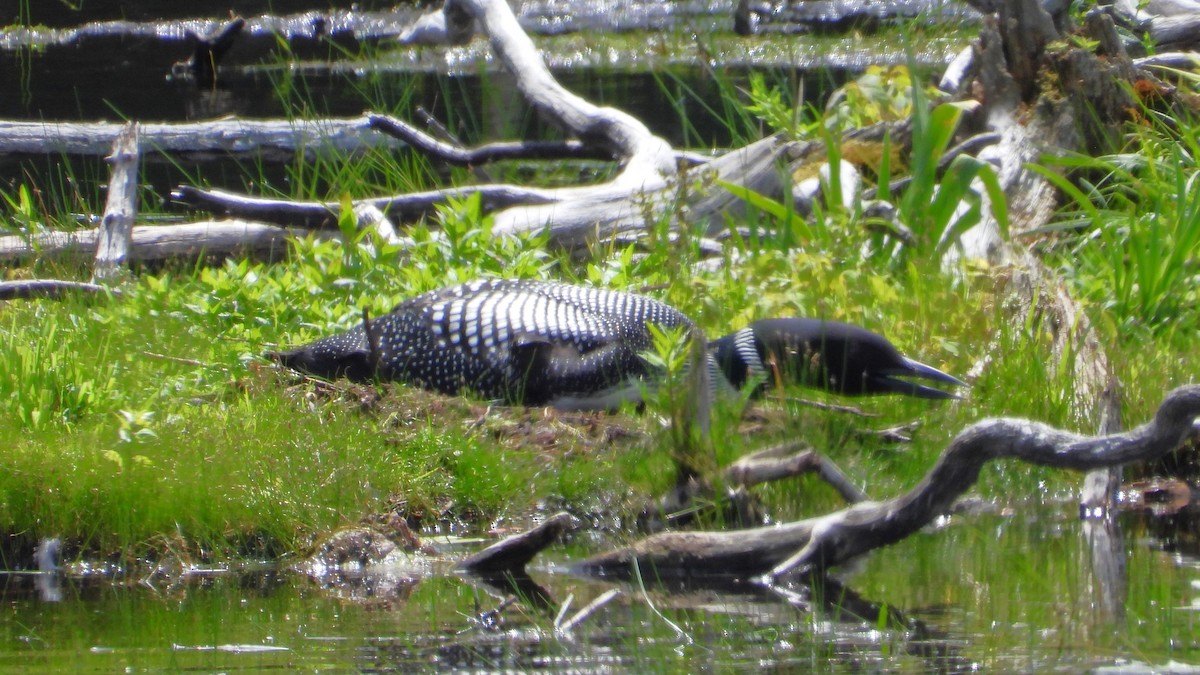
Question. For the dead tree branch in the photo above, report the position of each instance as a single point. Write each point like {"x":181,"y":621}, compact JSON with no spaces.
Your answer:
{"x":833,"y":539}
{"x":116,"y":229}
{"x":513,"y":553}
{"x":261,"y":139}
{"x":484,"y":154}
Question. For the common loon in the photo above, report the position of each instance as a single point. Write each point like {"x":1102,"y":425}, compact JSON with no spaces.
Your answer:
{"x":576,"y":347}
{"x":524,"y":342}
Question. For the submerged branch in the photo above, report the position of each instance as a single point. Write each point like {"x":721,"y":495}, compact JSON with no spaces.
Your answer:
{"x":515,"y":552}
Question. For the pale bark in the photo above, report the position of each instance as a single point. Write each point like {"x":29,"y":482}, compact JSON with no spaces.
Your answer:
{"x":116,"y":228}
{"x":265,"y":139}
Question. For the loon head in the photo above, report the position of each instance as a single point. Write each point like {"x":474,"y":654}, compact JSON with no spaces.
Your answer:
{"x":345,"y":355}
{"x":829,"y":355}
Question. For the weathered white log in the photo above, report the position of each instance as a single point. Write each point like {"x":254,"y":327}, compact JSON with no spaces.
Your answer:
{"x":158,"y":242}
{"x":652,"y":184}
{"x":574,"y":217}
{"x":266,"y":139}
{"x":116,"y":228}
{"x":577,"y":214}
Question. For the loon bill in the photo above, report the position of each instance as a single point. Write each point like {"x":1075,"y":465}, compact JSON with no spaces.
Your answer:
{"x":838,"y":357}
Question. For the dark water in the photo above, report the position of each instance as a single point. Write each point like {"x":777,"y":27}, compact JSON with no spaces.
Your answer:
{"x":987,"y":593}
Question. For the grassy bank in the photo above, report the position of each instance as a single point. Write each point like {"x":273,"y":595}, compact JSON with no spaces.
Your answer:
{"x":149,"y":425}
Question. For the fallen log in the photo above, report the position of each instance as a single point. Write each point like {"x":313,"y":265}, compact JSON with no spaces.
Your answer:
{"x":831,"y":540}
{"x":654,"y":180}
{"x":157,"y":243}
{"x":269,"y":140}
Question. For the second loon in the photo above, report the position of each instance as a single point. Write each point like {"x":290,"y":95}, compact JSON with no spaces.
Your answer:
{"x":575,"y":347}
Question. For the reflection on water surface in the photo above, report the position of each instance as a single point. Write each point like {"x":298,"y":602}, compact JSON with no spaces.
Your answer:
{"x":1003,"y":593}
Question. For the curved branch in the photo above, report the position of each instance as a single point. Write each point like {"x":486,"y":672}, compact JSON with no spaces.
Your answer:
{"x":484,"y":154}
{"x":836,"y":538}
{"x":403,"y":208}
{"x":649,"y":158}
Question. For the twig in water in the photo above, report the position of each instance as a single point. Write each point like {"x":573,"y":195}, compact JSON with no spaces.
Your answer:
{"x":591,"y":608}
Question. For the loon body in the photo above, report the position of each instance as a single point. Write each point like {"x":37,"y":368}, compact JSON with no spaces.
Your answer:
{"x":529,"y":342}
{"x":837,"y":357}
{"x":575,"y":347}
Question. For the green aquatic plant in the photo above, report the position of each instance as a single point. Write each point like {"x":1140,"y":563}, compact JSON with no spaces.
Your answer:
{"x":43,"y":379}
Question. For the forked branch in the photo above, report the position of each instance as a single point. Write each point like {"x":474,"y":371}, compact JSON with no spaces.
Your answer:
{"x":819,"y":543}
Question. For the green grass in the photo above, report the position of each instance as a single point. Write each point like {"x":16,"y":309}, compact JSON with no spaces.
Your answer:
{"x":150,"y":426}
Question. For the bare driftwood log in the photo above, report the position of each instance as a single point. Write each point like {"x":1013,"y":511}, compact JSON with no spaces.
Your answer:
{"x":116,"y":229}
{"x":157,"y":243}
{"x":612,"y":213}
{"x":827,"y":541}
{"x":651,"y":184}
{"x":266,"y":139}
